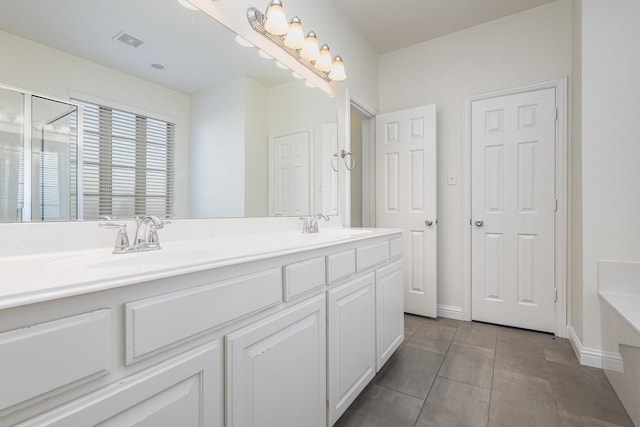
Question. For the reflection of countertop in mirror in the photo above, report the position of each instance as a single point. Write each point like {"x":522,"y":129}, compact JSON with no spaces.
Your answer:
{"x":37,"y":278}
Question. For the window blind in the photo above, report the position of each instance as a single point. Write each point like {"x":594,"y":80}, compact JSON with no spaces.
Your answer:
{"x":128,"y":164}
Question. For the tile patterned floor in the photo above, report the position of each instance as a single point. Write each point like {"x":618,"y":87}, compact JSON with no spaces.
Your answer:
{"x":457,"y":374}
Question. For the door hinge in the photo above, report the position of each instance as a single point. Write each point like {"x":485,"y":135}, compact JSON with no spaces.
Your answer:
{"x":555,"y":296}
{"x":556,"y":208}
{"x":556,"y":114}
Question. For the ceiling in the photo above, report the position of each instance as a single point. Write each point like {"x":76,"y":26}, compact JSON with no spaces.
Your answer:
{"x":197,"y":51}
{"x":391,"y":25}
{"x":205,"y":55}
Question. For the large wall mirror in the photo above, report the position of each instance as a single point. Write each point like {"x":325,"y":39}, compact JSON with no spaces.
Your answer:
{"x":125,"y":108}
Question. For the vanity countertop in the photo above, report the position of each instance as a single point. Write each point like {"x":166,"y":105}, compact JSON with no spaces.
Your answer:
{"x":36,"y":278}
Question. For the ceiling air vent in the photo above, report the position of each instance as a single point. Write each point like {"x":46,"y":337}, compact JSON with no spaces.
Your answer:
{"x":128,"y":39}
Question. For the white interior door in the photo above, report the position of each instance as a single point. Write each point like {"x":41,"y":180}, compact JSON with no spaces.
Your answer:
{"x":513,"y":207}
{"x":289,"y":173}
{"x":406,"y":198}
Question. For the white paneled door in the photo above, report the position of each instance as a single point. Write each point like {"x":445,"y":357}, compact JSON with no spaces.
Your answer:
{"x":513,"y":204}
{"x":406,"y":198}
{"x":289,"y":173}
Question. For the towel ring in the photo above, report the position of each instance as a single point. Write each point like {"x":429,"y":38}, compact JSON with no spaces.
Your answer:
{"x":334,"y":167}
{"x":351,"y":162}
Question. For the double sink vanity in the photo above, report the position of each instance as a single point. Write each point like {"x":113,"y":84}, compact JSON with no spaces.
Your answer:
{"x":277,"y":328}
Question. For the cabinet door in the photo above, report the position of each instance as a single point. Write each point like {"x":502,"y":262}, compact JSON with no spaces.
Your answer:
{"x":184,"y":391}
{"x":276,"y":369}
{"x":389,"y":311}
{"x":351,"y":342}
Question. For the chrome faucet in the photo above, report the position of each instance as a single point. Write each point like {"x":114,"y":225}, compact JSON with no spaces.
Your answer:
{"x":146,"y":237}
{"x":147,"y":233}
{"x":310,"y":224}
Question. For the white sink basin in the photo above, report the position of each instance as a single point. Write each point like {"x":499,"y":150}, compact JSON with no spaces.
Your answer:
{"x":154,"y":258}
{"x":346,"y":232}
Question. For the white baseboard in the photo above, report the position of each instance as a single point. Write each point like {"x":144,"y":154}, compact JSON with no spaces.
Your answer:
{"x":450,"y":312}
{"x":591,"y":356}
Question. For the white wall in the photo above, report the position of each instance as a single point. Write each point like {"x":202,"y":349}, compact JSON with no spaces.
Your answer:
{"x":37,"y":68}
{"x":574,"y":293}
{"x":529,"y":46}
{"x":610,"y":145}
{"x":256,"y":191}
{"x":217,"y":151}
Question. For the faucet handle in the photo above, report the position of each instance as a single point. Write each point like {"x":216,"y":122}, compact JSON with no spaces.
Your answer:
{"x":122,"y":239}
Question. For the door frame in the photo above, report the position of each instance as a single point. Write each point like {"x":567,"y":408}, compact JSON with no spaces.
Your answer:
{"x":561,"y":179}
{"x":368,"y":115}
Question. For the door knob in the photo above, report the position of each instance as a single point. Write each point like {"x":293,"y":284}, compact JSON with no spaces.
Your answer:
{"x":479,"y":223}
{"x":428,"y":222}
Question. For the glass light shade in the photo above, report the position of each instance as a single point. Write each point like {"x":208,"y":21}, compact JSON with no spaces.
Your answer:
{"x":337,"y":72}
{"x":295,"y":35}
{"x":243,"y":42}
{"x":310,"y":52}
{"x":276,"y":21}
{"x":264,"y":54}
{"x":324,"y":61}
{"x":187,"y":5}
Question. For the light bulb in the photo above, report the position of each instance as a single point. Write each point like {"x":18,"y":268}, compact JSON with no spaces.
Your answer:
{"x":281,"y":65}
{"x":307,"y":83}
{"x":310,"y":52}
{"x":324,"y":61}
{"x":337,"y":72}
{"x":276,"y":21}
{"x":295,"y":35}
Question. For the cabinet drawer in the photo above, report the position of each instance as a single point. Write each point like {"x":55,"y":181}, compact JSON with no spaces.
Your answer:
{"x":41,"y":358}
{"x":372,"y":255}
{"x":395,"y":248}
{"x":165,"y":320}
{"x":341,"y":265}
{"x":303,"y":277}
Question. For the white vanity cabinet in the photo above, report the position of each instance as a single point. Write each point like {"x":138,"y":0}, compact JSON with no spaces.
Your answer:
{"x":276,"y":369}
{"x":365,"y":318}
{"x":351,"y":338}
{"x":389,"y":311}
{"x":285,"y":339}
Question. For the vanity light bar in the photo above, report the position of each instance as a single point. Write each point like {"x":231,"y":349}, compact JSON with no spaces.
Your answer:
{"x":257,"y":19}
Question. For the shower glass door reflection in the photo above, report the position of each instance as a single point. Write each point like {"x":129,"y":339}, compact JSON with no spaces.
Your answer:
{"x":11,"y":155}
{"x":53,"y":160}
{"x":38,"y":158}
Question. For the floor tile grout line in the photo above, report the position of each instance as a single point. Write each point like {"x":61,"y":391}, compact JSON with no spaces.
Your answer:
{"x":493,"y":377}
{"x":434,"y":379}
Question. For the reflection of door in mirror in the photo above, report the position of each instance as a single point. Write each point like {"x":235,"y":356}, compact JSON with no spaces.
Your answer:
{"x":289,"y":174}
{"x":38,"y":143}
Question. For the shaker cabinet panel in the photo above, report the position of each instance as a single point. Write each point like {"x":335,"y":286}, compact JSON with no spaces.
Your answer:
{"x":49,"y":356}
{"x":276,"y":370}
{"x":389,"y":311}
{"x":340,"y":265}
{"x":158,"y":322}
{"x":185,"y":391}
{"x":372,"y":255}
{"x":351,"y":342}
{"x":303,"y":277}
